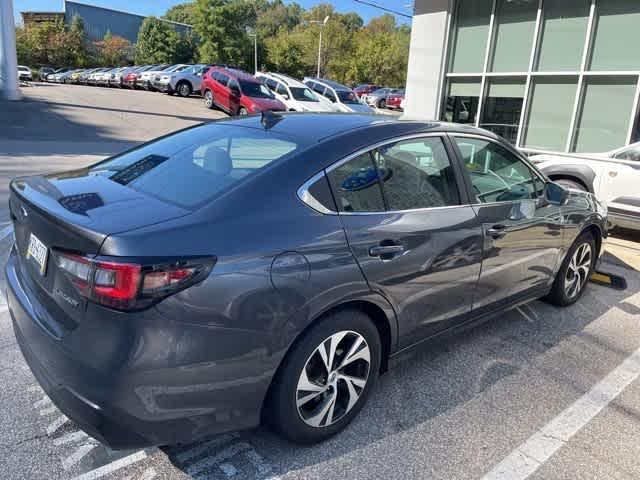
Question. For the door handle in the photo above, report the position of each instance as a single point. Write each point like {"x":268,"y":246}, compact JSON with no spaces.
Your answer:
{"x":497,"y":231}
{"x":385,"y":251}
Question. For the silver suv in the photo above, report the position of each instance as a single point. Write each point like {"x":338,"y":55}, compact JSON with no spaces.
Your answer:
{"x":184,"y":83}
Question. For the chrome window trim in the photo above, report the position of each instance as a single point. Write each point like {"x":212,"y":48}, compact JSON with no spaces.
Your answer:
{"x":305,"y":196}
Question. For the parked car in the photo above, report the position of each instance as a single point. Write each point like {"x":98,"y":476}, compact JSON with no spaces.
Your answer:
{"x":75,"y":76}
{"x":270,"y":267}
{"x":395,"y":101}
{"x":44,"y":72}
{"x":378,"y":98}
{"x":57,"y":75}
{"x":94,"y":77}
{"x":184,"y":83}
{"x":614,"y":177}
{"x":24,"y":73}
{"x":365,"y":88}
{"x":340,"y":95}
{"x":83,"y":76}
{"x":129,"y":80}
{"x":237,"y":92}
{"x":117,"y":77}
{"x":139,"y":83}
{"x":295,"y":95}
{"x":146,"y":77}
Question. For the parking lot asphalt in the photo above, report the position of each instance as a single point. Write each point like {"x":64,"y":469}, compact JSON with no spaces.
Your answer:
{"x":539,"y":392}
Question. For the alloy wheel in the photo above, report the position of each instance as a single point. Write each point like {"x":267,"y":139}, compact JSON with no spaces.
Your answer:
{"x":184,"y":90}
{"x":578,"y":270}
{"x":333,"y":378}
{"x":208,"y":99}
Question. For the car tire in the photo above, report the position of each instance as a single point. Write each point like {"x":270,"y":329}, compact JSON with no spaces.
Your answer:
{"x":573,"y":276}
{"x":207,"y":98}
{"x":382,"y":103}
{"x":183,"y":89}
{"x":242,"y":111}
{"x":570,"y":184}
{"x":309,"y":416}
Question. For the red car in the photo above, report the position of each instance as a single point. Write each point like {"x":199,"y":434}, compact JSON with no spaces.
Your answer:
{"x":394,"y":100}
{"x":365,"y":89}
{"x":237,"y":92}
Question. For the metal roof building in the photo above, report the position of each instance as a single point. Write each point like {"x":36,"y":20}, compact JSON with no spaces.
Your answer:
{"x":99,"y":20}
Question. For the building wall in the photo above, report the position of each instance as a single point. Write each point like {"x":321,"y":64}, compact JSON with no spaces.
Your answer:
{"x":97,"y":21}
{"x":552,"y":75}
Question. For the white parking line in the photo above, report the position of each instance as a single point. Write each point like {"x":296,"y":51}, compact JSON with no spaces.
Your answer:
{"x":113,"y":466}
{"x":48,"y":411}
{"x":70,"y":438}
{"x":56,"y":424}
{"x":78,"y":455}
{"x":6,"y":231}
{"x":204,"y":447}
{"x":41,"y":403}
{"x":149,"y":474}
{"x":529,"y":456}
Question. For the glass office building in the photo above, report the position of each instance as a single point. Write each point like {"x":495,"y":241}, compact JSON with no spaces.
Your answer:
{"x":548,"y":75}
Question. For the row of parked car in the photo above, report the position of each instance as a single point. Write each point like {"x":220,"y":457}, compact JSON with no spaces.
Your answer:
{"x":233,"y":90}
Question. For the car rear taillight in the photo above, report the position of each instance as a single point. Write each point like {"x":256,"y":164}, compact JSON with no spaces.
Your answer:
{"x":125,"y":285}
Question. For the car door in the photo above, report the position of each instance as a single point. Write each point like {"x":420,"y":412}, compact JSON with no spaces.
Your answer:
{"x":621,"y":177}
{"x":523,"y":233}
{"x":234,"y":95}
{"x":222,"y":94}
{"x":412,"y":231}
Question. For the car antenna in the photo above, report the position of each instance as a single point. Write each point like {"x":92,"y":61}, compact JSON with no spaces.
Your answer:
{"x":270,"y":119}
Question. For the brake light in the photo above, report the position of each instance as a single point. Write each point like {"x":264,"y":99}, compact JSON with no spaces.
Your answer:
{"x":127,"y":285}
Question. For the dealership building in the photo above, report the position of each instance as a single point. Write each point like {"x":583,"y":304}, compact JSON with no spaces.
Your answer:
{"x":548,"y":75}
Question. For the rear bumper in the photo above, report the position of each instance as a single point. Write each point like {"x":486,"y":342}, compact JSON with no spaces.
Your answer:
{"x":130,"y":385}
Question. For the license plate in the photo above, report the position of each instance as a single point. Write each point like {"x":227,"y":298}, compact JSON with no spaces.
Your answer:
{"x":39,"y":252}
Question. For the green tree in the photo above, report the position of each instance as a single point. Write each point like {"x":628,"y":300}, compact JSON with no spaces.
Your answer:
{"x":113,"y":50}
{"x":157,"y":42}
{"x":181,"y":13}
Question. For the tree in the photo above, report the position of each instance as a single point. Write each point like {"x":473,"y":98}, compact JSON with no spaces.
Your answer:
{"x":157,"y":42}
{"x":181,"y":13}
{"x":113,"y":50}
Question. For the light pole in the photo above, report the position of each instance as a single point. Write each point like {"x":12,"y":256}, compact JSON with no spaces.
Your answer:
{"x":255,"y":51}
{"x":322,"y":24}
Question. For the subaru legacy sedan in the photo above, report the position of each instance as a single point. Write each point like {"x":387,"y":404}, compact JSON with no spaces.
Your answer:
{"x":271,"y":267}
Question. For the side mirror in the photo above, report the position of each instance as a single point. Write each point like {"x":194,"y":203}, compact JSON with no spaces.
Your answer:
{"x":556,"y":194}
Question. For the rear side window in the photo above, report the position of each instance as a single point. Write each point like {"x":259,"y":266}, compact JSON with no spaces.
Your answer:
{"x":220,"y":78}
{"x":416,"y":174}
{"x":282,"y":90}
{"x":356,"y":187}
{"x":191,"y":167}
{"x":330,"y":95}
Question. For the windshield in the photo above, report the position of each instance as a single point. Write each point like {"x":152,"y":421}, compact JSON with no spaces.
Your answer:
{"x":303,"y":94}
{"x":347,"y":96}
{"x":255,"y":89}
{"x":190,"y":167}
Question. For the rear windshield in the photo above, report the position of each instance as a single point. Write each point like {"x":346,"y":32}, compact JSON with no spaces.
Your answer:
{"x":191,"y":167}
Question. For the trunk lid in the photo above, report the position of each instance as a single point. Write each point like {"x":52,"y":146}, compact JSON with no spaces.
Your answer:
{"x":73,"y":211}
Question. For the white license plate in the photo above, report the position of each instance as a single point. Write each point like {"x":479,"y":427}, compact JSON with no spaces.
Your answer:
{"x":39,"y":252}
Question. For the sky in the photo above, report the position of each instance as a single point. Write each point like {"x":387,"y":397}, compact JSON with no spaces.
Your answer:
{"x":159,"y":7}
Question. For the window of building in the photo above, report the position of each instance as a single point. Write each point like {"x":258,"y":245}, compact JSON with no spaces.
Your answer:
{"x":562,"y":35}
{"x":603,"y":121}
{"x":356,"y":187}
{"x":461,"y":105}
{"x":615,"y":42}
{"x":416,"y":173}
{"x":514,"y":27}
{"x":470,"y":36}
{"x":503,"y":106}
{"x":551,"y":107}
{"x":497,"y":175}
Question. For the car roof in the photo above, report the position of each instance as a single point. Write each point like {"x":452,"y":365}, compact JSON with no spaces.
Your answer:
{"x":237,"y":73}
{"x":286,"y":79}
{"x":330,"y":83}
{"x":316,"y":127}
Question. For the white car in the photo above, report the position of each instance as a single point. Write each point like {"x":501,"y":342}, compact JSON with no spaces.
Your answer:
{"x":295,"y":95}
{"x":147,"y":76}
{"x":184,"y":83}
{"x":24,"y":73}
{"x":343,"y":98}
{"x":613,"y":177}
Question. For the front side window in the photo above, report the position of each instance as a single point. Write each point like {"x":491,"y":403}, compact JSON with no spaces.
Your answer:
{"x":416,"y":174}
{"x":192,"y":166}
{"x":347,"y":96}
{"x":303,"y":94}
{"x":356,"y":187}
{"x":330,"y":95}
{"x":497,"y":175}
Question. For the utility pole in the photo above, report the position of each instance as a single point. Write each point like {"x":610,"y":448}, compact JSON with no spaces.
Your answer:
{"x":8,"y":57}
{"x":255,"y":51}
{"x":322,"y":25}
